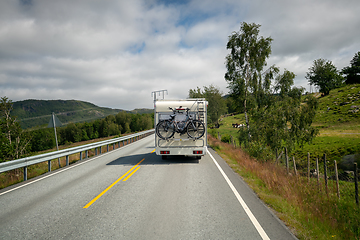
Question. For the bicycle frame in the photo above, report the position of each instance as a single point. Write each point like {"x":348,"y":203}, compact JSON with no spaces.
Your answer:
{"x":185,"y":123}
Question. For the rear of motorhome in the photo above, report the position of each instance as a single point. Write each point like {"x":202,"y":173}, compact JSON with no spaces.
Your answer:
{"x":181,"y":144}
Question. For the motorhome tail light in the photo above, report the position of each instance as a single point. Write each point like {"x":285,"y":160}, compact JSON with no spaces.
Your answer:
{"x":197,"y":152}
{"x":164,"y":152}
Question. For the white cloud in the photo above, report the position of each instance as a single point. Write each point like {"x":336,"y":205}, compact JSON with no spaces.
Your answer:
{"x":115,"y":53}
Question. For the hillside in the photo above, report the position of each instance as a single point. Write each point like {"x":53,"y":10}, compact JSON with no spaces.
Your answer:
{"x":142,"y":110}
{"x":341,"y":106}
{"x":32,"y":113}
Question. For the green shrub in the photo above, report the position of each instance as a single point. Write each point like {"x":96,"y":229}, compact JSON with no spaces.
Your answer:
{"x":226,"y":138}
{"x":259,"y":151}
{"x":213,"y":132}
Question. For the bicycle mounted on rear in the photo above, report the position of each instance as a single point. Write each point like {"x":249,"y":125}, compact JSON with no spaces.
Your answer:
{"x":166,"y":129}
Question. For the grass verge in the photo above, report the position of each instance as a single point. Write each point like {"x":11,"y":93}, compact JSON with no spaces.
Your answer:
{"x":15,"y":176}
{"x":305,"y":207}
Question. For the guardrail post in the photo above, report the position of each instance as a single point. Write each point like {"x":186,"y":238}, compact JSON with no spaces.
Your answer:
{"x":25,"y":173}
{"x":81,"y":156}
{"x":107,"y":147}
{"x":86,"y":153}
{"x":49,"y":166}
{"x":119,"y":144}
{"x":100,"y":151}
{"x":95,"y":151}
{"x":67,"y":160}
{"x":113,"y":146}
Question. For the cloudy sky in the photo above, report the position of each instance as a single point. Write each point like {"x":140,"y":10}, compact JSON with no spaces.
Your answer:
{"x":115,"y":53}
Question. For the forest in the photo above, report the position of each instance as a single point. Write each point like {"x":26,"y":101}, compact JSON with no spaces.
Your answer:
{"x":16,"y":142}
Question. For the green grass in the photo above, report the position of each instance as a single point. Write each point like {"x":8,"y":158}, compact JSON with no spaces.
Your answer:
{"x":226,"y":127}
{"x":335,"y":147}
{"x":342,"y":105}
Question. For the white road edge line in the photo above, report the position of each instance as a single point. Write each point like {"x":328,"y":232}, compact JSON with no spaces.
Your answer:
{"x":70,"y":167}
{"x":242,"y":202}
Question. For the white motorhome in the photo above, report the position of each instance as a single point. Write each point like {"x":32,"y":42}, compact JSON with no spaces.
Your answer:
{"x":181,"y":144}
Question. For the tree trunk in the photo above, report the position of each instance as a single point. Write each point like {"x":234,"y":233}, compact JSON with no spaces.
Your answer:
{"x":246,"y":85}
{"x":247,"y":120}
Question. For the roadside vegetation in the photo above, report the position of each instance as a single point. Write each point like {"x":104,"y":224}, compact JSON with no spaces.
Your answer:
{"x":305,"y":207}
{"x":302,"y":205}
{"x":12,"y":177}
{"x":267,"y":116}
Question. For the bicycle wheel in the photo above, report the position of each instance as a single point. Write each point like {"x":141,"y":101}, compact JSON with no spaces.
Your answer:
{"x":165,"y":129}
{"x":195,"y":129}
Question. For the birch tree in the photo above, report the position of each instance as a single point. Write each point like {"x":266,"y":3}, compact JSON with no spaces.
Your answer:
{"x":245,"y":62}
{"x":14,"y":142}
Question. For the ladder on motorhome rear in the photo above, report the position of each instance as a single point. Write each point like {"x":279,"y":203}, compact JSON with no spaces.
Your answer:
{"x":201,"y":110}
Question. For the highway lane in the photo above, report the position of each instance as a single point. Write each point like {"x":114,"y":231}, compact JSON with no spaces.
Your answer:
{"x":178,"y":198}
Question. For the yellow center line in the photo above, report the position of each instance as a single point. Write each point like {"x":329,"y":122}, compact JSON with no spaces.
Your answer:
{"x":131,"y":174}
{"x":108,"y":188}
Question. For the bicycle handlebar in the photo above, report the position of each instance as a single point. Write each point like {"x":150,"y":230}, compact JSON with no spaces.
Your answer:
{"x":180,"y":108}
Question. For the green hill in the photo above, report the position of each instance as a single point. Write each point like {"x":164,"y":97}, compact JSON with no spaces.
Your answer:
{"x":33,"y":113}
{"x":342,"y":105}
{"x":142,"y":110}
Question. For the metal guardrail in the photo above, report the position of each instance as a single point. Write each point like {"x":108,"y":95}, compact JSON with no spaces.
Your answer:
{"x":27,"y":161}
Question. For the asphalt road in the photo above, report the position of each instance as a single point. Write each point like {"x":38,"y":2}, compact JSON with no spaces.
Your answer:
{"x":131,"y":193}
